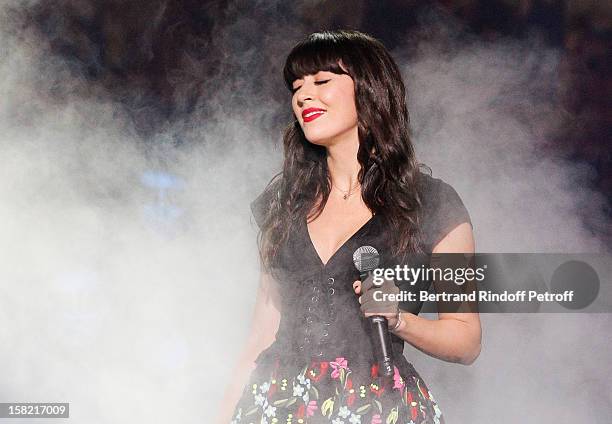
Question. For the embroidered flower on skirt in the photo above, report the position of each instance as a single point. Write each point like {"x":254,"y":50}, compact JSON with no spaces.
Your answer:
{"x":329,"y":392}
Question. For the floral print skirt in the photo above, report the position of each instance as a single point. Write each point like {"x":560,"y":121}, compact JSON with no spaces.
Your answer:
{"x":330,"y":392}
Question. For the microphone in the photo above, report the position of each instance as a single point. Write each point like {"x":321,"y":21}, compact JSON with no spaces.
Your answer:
{"x":366,"y":259}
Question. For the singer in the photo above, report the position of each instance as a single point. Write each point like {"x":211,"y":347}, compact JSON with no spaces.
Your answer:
{"x":349,"y":179}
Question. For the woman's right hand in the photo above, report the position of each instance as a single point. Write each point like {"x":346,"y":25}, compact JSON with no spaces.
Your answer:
{"x":381,"y":307}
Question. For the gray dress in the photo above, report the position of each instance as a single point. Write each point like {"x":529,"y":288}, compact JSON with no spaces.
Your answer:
{"x":320,"y":369}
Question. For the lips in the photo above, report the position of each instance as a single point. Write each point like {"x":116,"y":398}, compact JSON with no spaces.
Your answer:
{"x":312,"y":113}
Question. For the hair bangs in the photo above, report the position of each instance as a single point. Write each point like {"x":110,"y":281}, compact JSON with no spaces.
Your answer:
{"x":320,"y":53}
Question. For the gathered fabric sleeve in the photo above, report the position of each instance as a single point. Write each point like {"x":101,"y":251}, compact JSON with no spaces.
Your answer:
{"x":443,"y":210}
{"x":260,"y":207}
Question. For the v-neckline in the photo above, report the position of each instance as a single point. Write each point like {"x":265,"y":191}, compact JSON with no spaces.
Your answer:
{"x":341,"y":247}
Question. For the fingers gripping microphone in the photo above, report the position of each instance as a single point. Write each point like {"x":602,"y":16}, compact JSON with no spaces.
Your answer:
{"x":366,"y":259}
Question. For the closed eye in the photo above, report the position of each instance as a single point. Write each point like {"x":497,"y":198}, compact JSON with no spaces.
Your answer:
{"x":294,"y":90}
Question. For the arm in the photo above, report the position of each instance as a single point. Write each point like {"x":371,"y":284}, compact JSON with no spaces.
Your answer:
{"x":264,"y":325}
{"x":453,"y":337}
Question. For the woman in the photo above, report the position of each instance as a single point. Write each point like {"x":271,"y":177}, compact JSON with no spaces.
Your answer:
{"x":350,"y":178}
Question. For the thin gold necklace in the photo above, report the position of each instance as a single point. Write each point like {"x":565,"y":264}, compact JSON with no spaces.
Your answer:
{"x":348,"y":193}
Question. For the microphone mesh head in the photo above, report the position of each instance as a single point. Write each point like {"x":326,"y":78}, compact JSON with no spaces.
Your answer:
{"x":366,"y":258}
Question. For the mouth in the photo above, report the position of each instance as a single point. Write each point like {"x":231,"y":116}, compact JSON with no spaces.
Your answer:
{"x":311,"y":114}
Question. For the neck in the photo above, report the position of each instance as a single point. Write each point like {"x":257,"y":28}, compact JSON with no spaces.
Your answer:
{"x":343,"y":164}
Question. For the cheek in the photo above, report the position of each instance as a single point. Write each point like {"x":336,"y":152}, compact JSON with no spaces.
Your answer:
{"x":344,"y":105}
{"x":348,"y":109}
{"x":294,"y":107}
{"x":350,"y":100}
{"x":352,"y":109}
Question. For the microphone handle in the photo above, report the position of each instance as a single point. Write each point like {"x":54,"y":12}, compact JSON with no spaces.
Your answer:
{"x":381,"y":342}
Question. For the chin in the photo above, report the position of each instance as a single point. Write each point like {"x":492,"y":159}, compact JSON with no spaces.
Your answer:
{"x":318,"y":142}
{"x":325,"y":136}
{"x":318,"y":139}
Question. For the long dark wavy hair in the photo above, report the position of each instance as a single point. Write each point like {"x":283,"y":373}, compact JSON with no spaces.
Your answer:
{"x":389,"y":173}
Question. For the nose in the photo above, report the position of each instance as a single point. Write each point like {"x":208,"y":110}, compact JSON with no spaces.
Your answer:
{"x":306,"y":93}
{"x":302,"y":98}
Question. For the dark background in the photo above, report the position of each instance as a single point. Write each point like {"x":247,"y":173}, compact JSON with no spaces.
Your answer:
{"x":163,"y":60}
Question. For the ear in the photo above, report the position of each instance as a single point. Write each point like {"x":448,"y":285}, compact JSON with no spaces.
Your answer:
{"x":344,"y":68}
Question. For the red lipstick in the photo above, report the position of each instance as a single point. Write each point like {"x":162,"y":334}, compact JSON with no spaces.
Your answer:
{"x":312,"y":113}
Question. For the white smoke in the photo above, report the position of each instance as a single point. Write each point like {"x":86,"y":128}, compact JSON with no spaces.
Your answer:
{"x":132,"y":303}
{"x":483,"y":113}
